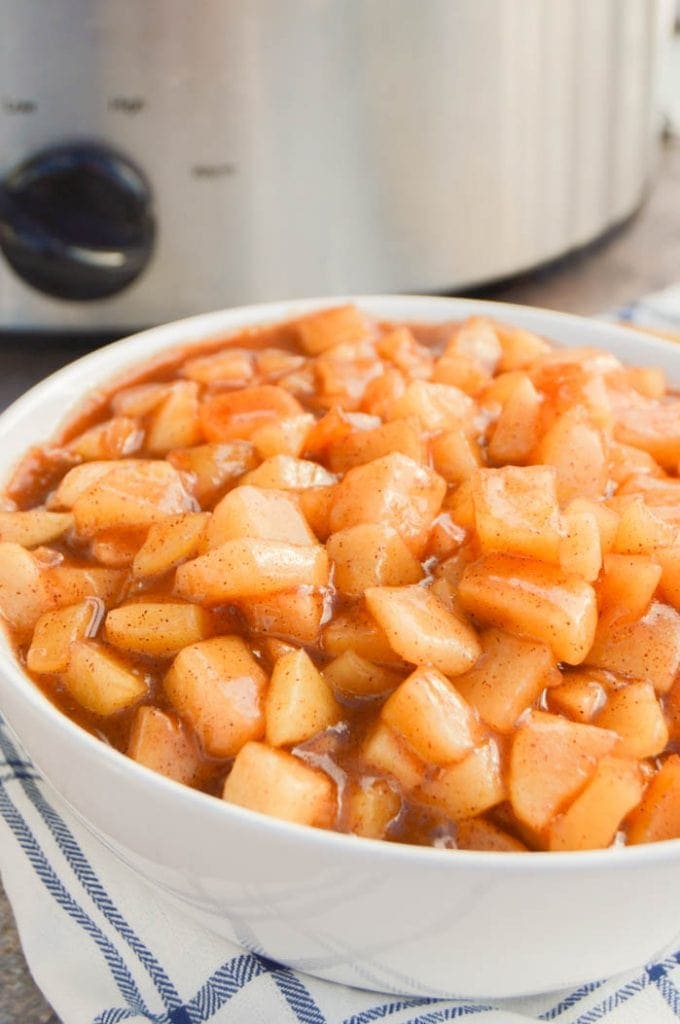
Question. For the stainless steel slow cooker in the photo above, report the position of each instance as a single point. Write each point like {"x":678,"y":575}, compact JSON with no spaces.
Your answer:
{"x":160,"y":157}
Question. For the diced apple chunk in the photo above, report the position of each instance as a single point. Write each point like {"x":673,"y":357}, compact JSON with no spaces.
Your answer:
{"x":285,"y":473}
{"x":251,"y":568}
{"x":468,"y":788}
{"x":159,"y":629}
{"x":212,"y":468}
{"x":370,"y":555}
{"x":219,"y":687}
{"x":175,"y":423}
{"x":330,"y":327}
{"x":653,"y":426}
{"x":258,"y":513}
{"x":101,"y":681}
{"x":628,"y":583}
{"x":480,"y":834}
{"x":116,"y":549}
{"x":517,"y":431}
{"x":280,"y":785}
{"x":56,"y":631}
{"x":161,"y":742}
{"x":371,"y":806}
{"x":24,"y":594}
{"x":299,"y":703}
{"x":69,"y":584}
{"x":634,"y":714}
{"x":393,"y":490}
{"x":575,"y":448}
{"x":238,"y":414}
{"x":550,"y":763}
{"x":669,"y":560}
{"x":362,"y":446}
{"x":641,"y":531}
{"x":113,"y":439}
{"x":581,"y":696}
{"x":352,"y":676}
{"x":508,"y":678}
{"x":658,"y":815}
{"x":430,"y":715}
{"x":519,"y":347}
{"x":595,"y":815}
{"x":283,"y":437}
{"x":580,"y":552}
{"x":316,"y":504}
{"x":647,"y":649}
{"x":422,"y":630}
{"x":516,"y":511}
{"x":530,"y":597}
{"x":356,"y":630}
{"x":455,"y":454}
{"x":294,"y":614}
{"x":78,"y":480}
{"x":233,"y":366}
{"x":131,"y":495}
{"x":169,"y":543}
{"x":34,"y":527}
{"x":385,"y":752}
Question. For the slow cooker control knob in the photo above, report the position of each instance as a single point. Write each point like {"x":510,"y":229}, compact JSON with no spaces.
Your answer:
{"x":76,"y":221}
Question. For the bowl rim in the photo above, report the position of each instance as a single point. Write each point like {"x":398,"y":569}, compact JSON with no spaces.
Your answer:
{"x":200,"y":328}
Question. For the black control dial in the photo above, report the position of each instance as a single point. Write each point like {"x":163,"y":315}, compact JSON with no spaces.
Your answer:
{"x":76,"y":221}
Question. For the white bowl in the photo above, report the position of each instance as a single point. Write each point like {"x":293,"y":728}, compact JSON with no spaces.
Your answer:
{"x":376,"y":915}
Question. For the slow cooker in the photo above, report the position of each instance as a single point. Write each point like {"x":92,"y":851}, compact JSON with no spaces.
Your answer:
{"x":161,"y":157}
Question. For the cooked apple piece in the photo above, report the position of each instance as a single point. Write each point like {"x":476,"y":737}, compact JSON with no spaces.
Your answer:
{"x":352,"y":676}
{"x":576,"y":449}
{"x":370,"y":808}
{"x":169,"y":543}
{"x":393,"y":490}
{"x":212,"y":468}
{"x":258,"y":513}
{"x":437,"y":407}
{"x":470,"y":357}
{"x":24,"y":594}
{"x":362,"y":446}
{"x":283,"y":437}
{"x":455,"y":454}
{"x":422,"y":630}
{"x":385,"y":752}
{"x":316,"y":504}
{"x":581,"y":696}
{"x":100,"y":681}
{"x":530,"y":597}
{"x":299,"y":703}
{"x":634,"y":714}
{"x":370,"y":555}
{"x":34,"y":527}
{"x":238,"y":414}
{"x":285,"y":473}
{"x":461,"y":506}
{"x":78,"y":481}
{"x":399,"y":346}
{"x":276,"y":783}
{"x":69,"y":584}
{"x":649,"y":381}
{"x":647,"y":649}
{"x":131,"y":496}
{"x":468,"y":788}
{"x":518,"y":428}
{"x":251,"y":568}
{"x":219,"y":688}
{"x":516,"y":511}
{"x":56,"y":631}
{"x":355,"y":629}
{"x":139,"y":400}
{"x":333,"y":427}
{"x":113,"y":439}
{"x":641,"y":531}
{"x":628,"y":583}
{"x":550,"y":763}
{"x":274,"y":363}
{"x":175,"y":422}
{"x":381,"y":392}
{"x":658,"y":815}
{"x":446,"y":538}
{"x":580,"y":553}
{"x":607,"y":520}
{"x":116,"y":549}
{"x":342,"y":374}
{"x":519,"y":347}
{"x":160,"y":741}
{"x":480,"y":834}
{"x":294,"y":614}
{"x":427,"y":711}
{"x":232,"y":366}
{"x":275,"y":648}
{"x":508,"y":678}
{"x":159,"y":629}
{"x":591,"y":822}
{"x":330,"y":327}
{"x":669,"y":584}
{"x":653,"y":426}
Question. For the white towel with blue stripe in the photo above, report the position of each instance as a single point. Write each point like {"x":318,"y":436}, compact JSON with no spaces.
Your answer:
{"x":105,"y":947}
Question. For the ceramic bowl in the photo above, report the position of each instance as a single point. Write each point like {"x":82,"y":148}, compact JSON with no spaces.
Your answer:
{"x":376,"y":915}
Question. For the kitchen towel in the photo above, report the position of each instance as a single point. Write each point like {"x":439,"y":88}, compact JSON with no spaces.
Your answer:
{"x":104,"y":947}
